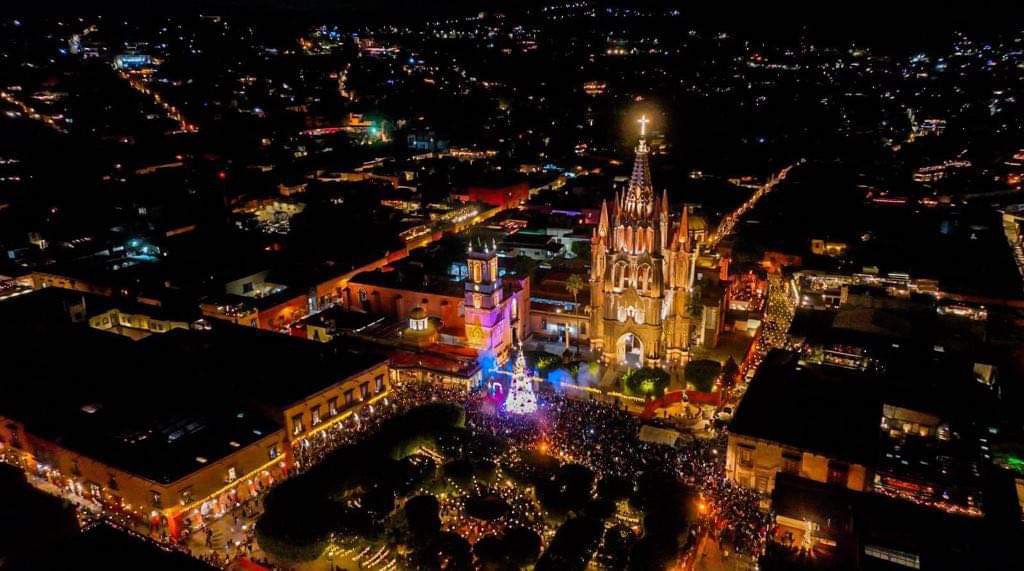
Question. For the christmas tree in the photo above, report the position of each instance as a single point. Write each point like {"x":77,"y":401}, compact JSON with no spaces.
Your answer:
{"x":521,"y":399}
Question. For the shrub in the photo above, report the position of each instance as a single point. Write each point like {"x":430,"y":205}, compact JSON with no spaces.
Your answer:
{"x":646,"y":382}
{"x":702,"y":373}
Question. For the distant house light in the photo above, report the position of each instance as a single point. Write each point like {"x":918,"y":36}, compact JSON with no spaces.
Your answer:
{"x":201,"y":460}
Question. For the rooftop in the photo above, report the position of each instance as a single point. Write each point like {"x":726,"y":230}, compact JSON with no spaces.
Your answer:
{"x":160,"y":406}
{"x":830,"y":411}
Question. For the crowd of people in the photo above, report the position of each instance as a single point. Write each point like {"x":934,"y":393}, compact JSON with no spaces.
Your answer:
{"x":605,"y":439}
{"x":602,"y":437}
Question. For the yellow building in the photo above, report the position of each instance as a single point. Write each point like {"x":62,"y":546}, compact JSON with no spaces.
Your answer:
{"x":821,"y":423}
{"x":133,"y":324}
{"x":171,"y":429}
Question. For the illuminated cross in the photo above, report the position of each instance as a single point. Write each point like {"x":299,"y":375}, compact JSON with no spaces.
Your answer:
{"x":643,"y":120}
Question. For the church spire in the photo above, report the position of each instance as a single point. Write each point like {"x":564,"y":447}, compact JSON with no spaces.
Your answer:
{"x":602,"y":226}
{"x":684,"y":229}
{"x":640,"y":194}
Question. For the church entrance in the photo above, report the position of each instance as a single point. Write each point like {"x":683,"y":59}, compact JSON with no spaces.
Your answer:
{"x":630,"y":350}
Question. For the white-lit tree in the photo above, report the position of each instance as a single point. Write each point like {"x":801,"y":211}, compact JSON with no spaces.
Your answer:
{"x":521,"y":399}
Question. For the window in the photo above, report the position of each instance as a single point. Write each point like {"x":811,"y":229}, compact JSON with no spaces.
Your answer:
{"x":838,"y":473}
{"x":893,"y":556}
{"x":379,"y":384}
{"x":297,"y":427}
{"x":186,"y":496}
{"x":155,"y":498}
{"x":232,"y":474}
{"x":348,"y":397}
{"x":746,"y":456}
{"x":761,"y":483}
{"x":112,"y":482}
{"x":791,"y":462}
{"x":332,"y":406}
{"x":619,"y":275}
{"x":314,"y":415}
{"x":364,"y":391}
{"x":273,"y":451}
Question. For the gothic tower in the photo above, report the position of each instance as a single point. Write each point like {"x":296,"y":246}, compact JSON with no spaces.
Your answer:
{"x":639,"y":279}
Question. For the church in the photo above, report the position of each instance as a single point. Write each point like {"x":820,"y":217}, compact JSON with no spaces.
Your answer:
{"x":641,"y":274}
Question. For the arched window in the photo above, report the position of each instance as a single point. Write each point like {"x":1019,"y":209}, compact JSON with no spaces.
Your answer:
{"x":619,"y":275}
{"x":644,"y":277}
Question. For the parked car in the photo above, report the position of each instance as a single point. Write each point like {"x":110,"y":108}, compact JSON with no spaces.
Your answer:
{"x":724,"y":415}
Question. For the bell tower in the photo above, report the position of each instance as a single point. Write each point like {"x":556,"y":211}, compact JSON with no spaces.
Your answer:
{"x":487,"y":326}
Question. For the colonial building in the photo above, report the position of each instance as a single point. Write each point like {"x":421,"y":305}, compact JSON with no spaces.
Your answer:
{"x":640,"y":276}
{"x":487,"y":312}
{"x":491,"y":312}
{"x":172,"y":428}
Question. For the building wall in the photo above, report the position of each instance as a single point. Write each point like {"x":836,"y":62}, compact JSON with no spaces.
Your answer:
{"x":43,"y":279}
{"x":119,"y":490}
{"x":400,"y":303}
{"x":548,"y":324}
{"x":248,"y":317}
{"x":302,"y":412}
{"x":753,"y":463}
{"x":254,"y":281}
{"x":278,"y":316}
{"x":115,"y":317}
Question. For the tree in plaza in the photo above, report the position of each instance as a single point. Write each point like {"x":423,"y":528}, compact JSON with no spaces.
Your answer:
{"x":573,"y":545}
{"x":490,"y":552}
{"x":455,"y":552}
{"x":730,"y":373}
{"x":423,"y":519}
{"x":568,"y":491}
{"x":646,"y":382}
{"x":521,"y":399}
{"x":618,"y":541}
{"x":523,"y":545}
{"x":302,"y":513}
{"x":582,"y":249}
{"x":516,"y":548}
{"x":701,"y":373}
{"x":669,"y":510}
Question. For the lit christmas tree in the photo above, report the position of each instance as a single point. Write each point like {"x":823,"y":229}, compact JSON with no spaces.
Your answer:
{"x":521,"y":399}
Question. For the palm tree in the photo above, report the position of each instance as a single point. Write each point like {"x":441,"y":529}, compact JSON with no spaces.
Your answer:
{"x":575,"y":285}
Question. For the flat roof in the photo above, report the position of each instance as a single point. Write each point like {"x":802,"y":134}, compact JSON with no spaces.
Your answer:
{"x":411,"y":276}
{"x":830,"y":411}
{"x":154,"y":407}
{"x":837,"y":412}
